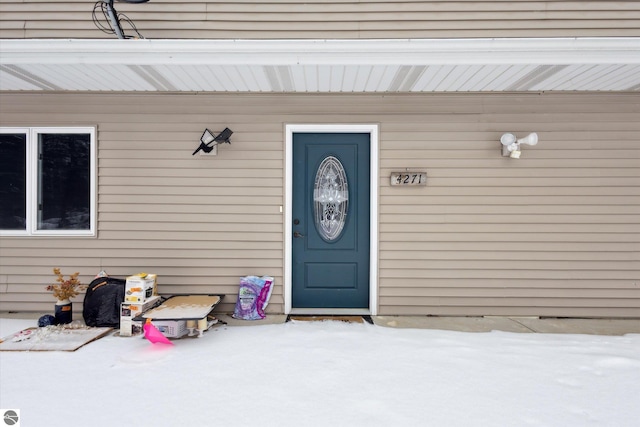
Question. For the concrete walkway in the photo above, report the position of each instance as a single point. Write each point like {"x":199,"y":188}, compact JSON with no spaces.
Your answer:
{"x":461,"y":324}
{"x":484,"y":324}
{"x":515,"y":324}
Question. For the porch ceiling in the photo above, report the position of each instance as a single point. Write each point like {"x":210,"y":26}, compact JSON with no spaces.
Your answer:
{"x":314,"y":66}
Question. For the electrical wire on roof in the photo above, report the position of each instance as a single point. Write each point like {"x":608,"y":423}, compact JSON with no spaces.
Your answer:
{"x":126,"y":19}
{"x":110,"y":21}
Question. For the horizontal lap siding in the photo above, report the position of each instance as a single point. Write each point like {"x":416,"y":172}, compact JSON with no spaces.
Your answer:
{"x":554,"y":233}
{"x":165,"y":19}
{"x":200,"y":223}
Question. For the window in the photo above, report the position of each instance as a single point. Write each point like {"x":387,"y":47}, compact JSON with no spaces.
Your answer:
{"x":47,"y":181}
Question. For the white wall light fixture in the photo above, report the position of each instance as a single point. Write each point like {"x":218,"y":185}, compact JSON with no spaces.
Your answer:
{"x":511,"y":145}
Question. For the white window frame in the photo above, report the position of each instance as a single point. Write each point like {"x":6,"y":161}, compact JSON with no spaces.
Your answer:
{"x":32,"y":181}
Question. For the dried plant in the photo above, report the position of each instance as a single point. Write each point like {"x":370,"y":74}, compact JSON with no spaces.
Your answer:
{"x":65,"y":289}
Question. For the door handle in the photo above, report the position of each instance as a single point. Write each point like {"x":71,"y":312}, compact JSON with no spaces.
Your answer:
{"x":297,"y":234}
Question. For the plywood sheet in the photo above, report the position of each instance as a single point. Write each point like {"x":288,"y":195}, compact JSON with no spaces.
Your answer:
{"x":52,"y":338}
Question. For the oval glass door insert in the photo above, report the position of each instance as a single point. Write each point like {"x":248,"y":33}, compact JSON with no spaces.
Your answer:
{"x":330,"y":198}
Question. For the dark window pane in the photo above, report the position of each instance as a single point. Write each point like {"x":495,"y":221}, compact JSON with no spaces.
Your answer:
{"x":13,"y":187}
{"x":64,"y":182}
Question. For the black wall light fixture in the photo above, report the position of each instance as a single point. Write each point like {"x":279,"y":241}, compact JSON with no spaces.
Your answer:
{"x":112,"y":18}
{"x":209,"y":143}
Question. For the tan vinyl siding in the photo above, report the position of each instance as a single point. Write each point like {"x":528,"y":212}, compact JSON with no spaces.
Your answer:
{"x":329,"y":19}
{"x":555,"y":233}
{"x":199,"y":223}
{"x":488,"y":234}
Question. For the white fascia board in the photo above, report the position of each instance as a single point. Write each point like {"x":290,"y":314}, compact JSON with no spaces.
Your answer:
{"x":604,"y":50}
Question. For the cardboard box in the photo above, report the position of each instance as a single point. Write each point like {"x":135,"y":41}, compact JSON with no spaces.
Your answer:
{"x":180,"y":328}
{"x":139,"y":289}
{"x":130,"y":310}
{"x":171,"y":328}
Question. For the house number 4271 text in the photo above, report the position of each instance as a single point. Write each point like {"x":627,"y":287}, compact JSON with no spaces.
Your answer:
{"x":408,"y":178}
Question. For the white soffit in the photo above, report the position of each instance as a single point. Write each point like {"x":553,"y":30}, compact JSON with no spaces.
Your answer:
{"x":311,"y":66}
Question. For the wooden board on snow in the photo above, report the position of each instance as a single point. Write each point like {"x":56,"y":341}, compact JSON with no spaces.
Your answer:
{"x":184,"y":307}
{"x":51,"y":338}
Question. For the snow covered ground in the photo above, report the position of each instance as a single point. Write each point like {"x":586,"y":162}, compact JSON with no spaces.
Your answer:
{"x":328,"y":374}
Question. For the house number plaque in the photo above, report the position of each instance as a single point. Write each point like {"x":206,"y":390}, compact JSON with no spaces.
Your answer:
{"x":409,"y":178}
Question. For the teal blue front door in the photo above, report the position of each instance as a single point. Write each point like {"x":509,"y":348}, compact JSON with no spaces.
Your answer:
{"x":330,"y":212}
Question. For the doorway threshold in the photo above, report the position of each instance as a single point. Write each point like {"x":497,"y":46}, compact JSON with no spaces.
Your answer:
{"x":337,"y":318}
{"x":330,"y":311}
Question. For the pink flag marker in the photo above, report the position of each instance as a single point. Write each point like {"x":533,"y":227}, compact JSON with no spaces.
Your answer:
{"x":153,"y":334}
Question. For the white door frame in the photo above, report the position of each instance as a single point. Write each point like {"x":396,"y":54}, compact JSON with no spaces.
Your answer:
{"x":372,"y":130}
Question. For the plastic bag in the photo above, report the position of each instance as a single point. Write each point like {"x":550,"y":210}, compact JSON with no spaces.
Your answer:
{"x":253,"y":297}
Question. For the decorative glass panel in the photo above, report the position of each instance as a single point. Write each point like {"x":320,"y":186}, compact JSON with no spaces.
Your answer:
{"x":331,"y":198}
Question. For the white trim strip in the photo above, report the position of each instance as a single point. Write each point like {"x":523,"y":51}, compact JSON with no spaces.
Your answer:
{"x":557,"y":51}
